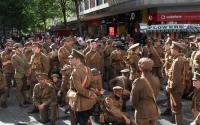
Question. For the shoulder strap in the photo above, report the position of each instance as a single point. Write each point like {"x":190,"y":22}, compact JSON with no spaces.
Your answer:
{"x":93,"y":55}
{"x":153,"y":95}
{"x":66,"y":50}
{"x":156,"y":52}
{"x":86,"y":77}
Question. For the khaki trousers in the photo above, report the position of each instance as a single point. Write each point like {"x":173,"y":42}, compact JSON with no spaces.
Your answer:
{"x":21,"y":88}
{"x":48,"y":112}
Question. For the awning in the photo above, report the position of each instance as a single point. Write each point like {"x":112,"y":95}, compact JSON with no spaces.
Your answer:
{"x":192,"y":28}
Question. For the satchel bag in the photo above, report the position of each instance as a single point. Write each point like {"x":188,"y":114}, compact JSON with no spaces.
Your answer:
{"x":73,"y":95}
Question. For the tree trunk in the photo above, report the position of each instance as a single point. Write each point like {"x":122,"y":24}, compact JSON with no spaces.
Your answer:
{"x":63,"y":8}
{"x":45,"y":25}
{"x":64,"y":17}
{"x":78,"y":17}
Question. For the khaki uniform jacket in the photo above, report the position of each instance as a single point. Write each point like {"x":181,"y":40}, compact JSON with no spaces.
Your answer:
{"x":97,"y":82}
{"x":117,"y":60}
{"x":156,"y":55}
{"x":6,"y":62}
{"x":54,"y":62}
{"x":28,"y":54}
{"x":168,"y":62}
{"x":142,"y":98}
{"x":84,"y":102}
{"x":132,"y":61}
{"x":20,"y":64}
{"x":44,"y":94}
{"x":114,"y":110}
{"x":94,"y":60}
{"x":176,"y":83}
{"x":145,"y":51}
{"x":39,"y":63}
{"x":107,"y":51}
{"x":63,"y":54}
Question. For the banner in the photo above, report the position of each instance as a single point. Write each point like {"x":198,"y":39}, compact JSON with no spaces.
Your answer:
{"x":176,"y":16}
{"x":174,"y":28}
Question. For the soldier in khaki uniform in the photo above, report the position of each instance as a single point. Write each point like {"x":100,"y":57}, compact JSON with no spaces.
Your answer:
{"x":97,"y":82}
{"x":176,"y":84}
{"x":196,"y":99}
{"x":44,"y":98}
{"x":39,"y":63}
{"x":113,"y":108}
{"x":53,"y":57}
{"x":156,"y":54}
{"x":107,"y":63}
{"x":28,"y":50}
{"x":47,"y":43}
{"x":167,"y":64}
{"x":65,"y":51}
{"x":7,"y":67}
{"x":125,"y":83}
{"x":143,"y":94}
{"x":3,"y":91}
{"x":93,"y":58}
{"x":132,"y":61}
{"x":117,"y":59}
{"x":80,"y":82}
{"x":56,"y":83}
{"x":20,"y":65}
{"x":66,"y":73}
{"x":146,"y":48}
{"x":28,"y":53}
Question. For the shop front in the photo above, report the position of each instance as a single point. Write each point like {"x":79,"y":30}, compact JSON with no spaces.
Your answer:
{"x":122,"y":24}
{"x":176,"y":15}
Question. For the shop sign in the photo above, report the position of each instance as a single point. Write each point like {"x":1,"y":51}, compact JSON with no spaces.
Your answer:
{"x":176,"y":16}
{"x":167,"y":27}
{"x":111,"y":31}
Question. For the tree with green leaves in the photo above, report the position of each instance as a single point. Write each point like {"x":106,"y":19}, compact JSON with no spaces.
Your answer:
{"x":12,"y":14}
{"x":77,"y":6}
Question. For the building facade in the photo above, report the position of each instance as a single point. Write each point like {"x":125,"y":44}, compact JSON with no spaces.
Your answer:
{"x":117,"y":17}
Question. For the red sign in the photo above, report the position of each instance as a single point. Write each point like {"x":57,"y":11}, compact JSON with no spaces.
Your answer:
{"x":176,"y":16}
{"x":111,"y":31}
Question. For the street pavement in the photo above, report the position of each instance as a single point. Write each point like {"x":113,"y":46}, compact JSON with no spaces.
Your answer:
{"x":13,"y":115}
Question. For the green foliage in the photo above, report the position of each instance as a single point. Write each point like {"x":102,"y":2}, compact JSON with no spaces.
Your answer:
{"x":32,"y":15}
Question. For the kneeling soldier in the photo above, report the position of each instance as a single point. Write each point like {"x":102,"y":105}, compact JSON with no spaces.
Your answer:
{"x":44,"y":98}
{"x":113,"y":108}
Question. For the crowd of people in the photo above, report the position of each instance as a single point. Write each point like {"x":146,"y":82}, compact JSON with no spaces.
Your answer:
{"x":76,"y":73}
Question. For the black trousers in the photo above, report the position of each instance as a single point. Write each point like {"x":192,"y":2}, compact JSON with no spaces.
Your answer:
{"x":82,"y":117}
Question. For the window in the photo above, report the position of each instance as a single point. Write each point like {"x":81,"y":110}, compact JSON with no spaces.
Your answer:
{"x":86,"y":2}
{"x":81,"y":7}
{"x":92,"y":3}
{"x":108,"y":1}
{"x":99,"y":2}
